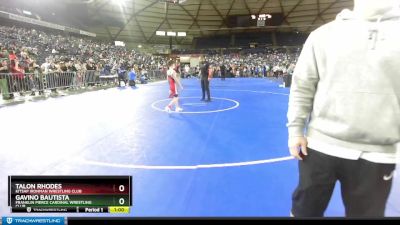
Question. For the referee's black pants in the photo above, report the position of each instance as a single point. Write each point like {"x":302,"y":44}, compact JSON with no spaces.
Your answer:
{"x":365,"y":186}
{"x":205,"y":88}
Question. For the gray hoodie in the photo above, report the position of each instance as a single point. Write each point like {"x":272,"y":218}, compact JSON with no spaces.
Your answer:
{"x":346,"y":85}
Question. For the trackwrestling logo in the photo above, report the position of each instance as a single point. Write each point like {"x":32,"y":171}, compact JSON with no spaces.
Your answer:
{"x":33,"y":220}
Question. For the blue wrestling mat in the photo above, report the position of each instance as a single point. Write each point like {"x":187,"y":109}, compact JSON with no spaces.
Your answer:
{"x":225,"y":158}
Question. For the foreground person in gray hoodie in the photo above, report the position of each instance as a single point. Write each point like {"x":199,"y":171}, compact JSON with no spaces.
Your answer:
{"x":344,"y":111}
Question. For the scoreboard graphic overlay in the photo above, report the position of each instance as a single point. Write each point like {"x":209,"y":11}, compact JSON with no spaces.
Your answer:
{"x":69,"y":194}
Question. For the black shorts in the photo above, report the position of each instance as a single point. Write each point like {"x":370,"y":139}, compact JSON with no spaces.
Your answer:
{"x":365,"y":186}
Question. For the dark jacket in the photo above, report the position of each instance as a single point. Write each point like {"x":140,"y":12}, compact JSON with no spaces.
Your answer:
{"x":204,"y":71}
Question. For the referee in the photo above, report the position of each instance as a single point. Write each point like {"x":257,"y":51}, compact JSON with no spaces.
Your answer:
{"x":205,"y":76}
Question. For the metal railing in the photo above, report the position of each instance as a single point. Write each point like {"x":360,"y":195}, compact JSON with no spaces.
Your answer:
{"x":156,"y":75}
{"x":31,"y":83}
{"x":58,"y":80}
{"x":20,"y":83}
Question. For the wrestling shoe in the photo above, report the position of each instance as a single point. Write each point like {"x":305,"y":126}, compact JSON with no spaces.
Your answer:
{"x":168,"y":109}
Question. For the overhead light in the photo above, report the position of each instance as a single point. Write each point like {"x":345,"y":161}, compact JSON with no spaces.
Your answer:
{"x":26,"y":12}
{"x":181,"y":34}
{"x":160,"y":33}
{"x":171,"y":33}
{"x":265,"y":16}
{"x":139,"y":46}
{"x":253,"y":17}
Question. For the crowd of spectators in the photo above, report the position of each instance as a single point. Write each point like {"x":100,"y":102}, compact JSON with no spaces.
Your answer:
{"x":28,"y":49}
{"x":260,"y":62}
{"x":25,"y":50}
